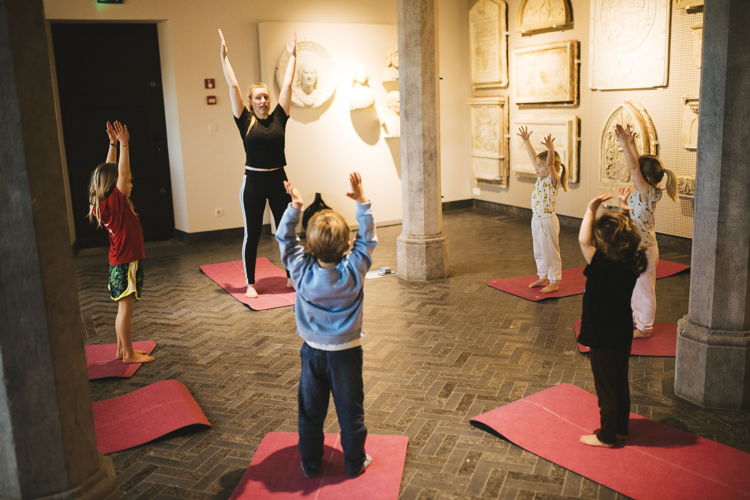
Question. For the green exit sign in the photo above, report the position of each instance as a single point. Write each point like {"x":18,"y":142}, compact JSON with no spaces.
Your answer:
{"x":108,"y":1}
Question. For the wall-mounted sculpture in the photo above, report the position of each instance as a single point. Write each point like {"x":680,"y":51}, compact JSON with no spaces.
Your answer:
{"x":565,"y":130}
{"x":390,"y":119}
{"x":689,"y":132}
{"x":686,"y":186}
{"x":629,"y":44}
{"x":361,"y":95}
{"x":489,"y":147}
{"x":613,"y":169}
{"x":390,"y":73}
{"x":314,"y":80}
{"x":697,"y":43}
{"x":488,"y":24}
{"x":547,"y":74}
{"x":536,"y":16}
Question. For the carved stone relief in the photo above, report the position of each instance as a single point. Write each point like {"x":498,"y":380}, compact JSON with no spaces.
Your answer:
{"x":314,"y":81}
{"x":613,"y":169}
{"x":489,"y":149}
{"x":565,"y":130}
{"x":390,"y":73}
{"x":686,"y":186}
{"x":361,"y":95}
{"x":488,"y":24}
{"x":689,"y":132}
{"x":628,"y":44}
{"x":390,"y":119}
{"x":697,"y":43}
{"x":544,"y":15}
{"x":547,"y":74}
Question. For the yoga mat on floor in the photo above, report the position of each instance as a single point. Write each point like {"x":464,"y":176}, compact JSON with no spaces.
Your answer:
{"x":662,"y":343}
{"x":657,"y":462}
{"x":275,"y":472}
{"x":572,"y":283}
{"x":144,"y":415}
{"x":101,"y":362}
{"x":270,"y":282}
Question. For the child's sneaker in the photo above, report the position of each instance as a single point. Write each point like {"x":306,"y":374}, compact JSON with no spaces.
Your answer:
{"x":365,"y":464}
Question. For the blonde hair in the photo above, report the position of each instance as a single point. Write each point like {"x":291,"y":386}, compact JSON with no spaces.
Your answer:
{"x":327,"y":236}
{"x":103,"y":181}
{"x":653,"y":172}
{"x":250,"y":90}
{"x":558,"y":165}
{"x":617,"y":238}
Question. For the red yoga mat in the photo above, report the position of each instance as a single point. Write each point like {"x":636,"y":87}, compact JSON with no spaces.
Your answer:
{"x":101,"y":362}
{"x":270,"y":282}
{"x":572,"y":283}
{"x":275,"y":472}
{"x":144,"y":415}
{"x":657,"y":462}
{"x":662,"y":343}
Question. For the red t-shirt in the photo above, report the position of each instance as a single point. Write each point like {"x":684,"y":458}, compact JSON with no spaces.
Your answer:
{"x":124,"y":229}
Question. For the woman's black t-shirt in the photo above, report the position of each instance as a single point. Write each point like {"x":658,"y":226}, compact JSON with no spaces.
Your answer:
{"x":607,"y":319}
{"x":264,"y":143}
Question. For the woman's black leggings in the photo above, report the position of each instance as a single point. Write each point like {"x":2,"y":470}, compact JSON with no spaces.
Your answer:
{"x":257,"y":187}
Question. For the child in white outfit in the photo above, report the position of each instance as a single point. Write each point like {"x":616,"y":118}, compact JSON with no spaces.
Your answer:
{"x":545,"y":228}
{"x":647,"y":172}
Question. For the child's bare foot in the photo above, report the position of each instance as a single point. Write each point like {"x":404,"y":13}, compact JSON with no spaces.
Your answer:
{"x":138,"y":358}
{"x":592,"y":440}
{"x":121,"y":354}
{"x":251,"y":292}
{"x":539,"y":282}
{"x":550,"y":288}
{"x":640,"y":334}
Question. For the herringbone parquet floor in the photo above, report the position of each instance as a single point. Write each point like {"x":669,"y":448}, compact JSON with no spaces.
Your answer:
{"x":436,"y":354}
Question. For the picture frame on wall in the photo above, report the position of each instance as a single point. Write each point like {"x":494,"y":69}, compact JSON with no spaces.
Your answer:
{"x":547,"y":74}
{"x":538,"y":16}
{"x":488,"y":44}
{"x":564,"y":128}
{"x":489,"y":145}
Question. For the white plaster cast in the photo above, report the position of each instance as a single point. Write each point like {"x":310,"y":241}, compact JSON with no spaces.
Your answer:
{"x":390,"y":73}
{"x":547,"y":73}
{"x":613,"y":169}
{"x":565,"y":130}
{"x":689,"y":129}
{"x":544,"y":15}
{"x":314,"y":80}
{"x":489,"y":147}
{"x":390,"y":119}
{"x":361,"y":95}
{"x":488,"y":46}
{"x":686,"y":186}
{"x":629,"y":44}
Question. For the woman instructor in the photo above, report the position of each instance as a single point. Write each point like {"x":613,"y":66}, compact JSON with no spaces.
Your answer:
{"x":262,"y":131}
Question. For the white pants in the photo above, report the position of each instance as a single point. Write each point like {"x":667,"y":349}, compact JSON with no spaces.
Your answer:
{"x":545,"y":233}
{"x":643,"y":300}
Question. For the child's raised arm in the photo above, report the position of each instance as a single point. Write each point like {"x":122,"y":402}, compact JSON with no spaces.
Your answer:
{"x":366,"y":240}
{"x":235,"y":94}
{"x":586,"y":233}
{"x":626,"y":137}
{"x":289,"y":247}
{"x":285,"y":94}
{"x":549,"y":143}
{"x":539,"y":167}
{"x":123,"y":166}
{"x":112,"y":151}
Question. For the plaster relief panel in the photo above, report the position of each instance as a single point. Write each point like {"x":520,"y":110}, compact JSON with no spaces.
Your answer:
{"x":565,"y":130}
{"x":390,"y":72}
{"x":488,"y":24}
{"x":686,"y":186}
{"x":613,"y":169}
{"x":314,"y":80}
{"x":547,"y":74}
{"x":629,"y":44}
{"x":536,"y":16}
{"x":689,"y":132}
{"x":697,"y":30}
{"x":489,"y":150}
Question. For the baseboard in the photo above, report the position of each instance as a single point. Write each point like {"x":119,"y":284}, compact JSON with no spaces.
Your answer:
{"x":457,"y":205}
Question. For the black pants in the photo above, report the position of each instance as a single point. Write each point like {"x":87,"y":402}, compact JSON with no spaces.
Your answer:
{"x":340,"y":373}
{"x":610,"y":369}
{"x":257,"y":187}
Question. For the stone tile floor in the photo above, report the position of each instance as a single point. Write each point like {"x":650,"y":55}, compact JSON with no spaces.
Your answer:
{"x":436,"y":354}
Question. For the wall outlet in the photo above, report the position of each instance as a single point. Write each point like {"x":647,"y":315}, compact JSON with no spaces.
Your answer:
{"x":219,"y":212}
{"x":476,"y":191}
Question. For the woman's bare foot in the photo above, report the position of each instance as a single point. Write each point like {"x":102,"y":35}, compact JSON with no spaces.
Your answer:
{"x":138,"y":358}
{"x":539,"y":282}
{"x":120,"y":354}
{"x":640,"y":334}
{"x":251,"y":292}
{"x":550,"y":288}
{"x":592,"y":440}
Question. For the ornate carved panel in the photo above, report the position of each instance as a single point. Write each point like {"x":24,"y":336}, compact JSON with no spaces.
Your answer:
{"x":547,"y":74}
{"x":613,"y":169}
{"x":544,"y":15}
{"x":689,"y":132}
{"x":488,"y":24}
{"x":314,"y":79}
{"x":686,"y":186}
{"x":629,"y":44}
{"x":565,"y":130}
{"x":489,"y":148}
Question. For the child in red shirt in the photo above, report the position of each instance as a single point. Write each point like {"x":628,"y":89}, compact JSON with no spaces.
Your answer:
{"x":109,"y":199}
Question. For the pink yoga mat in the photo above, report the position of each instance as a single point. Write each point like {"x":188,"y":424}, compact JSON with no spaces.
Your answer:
{"x":144,"y":415}
{"x":662,"y":343}
{"x":572,"y":283}
{"x":657,"y":462}
{"x":275,"y":472}
{"x":101,"y":362}
{"x":270,"y":282}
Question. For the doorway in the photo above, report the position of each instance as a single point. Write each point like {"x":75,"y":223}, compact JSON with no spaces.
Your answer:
{"x":112,"y":71}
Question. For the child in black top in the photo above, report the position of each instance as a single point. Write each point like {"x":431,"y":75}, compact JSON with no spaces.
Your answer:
{"x":611,"y":246}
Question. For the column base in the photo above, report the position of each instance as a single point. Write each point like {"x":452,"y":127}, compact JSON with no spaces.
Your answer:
{"x":422,"y":258}
{"x":102,"y":484}
{"x":713,"y":366}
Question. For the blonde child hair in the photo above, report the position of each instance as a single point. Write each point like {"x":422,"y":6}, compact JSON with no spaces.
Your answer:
{"x":559,"y":167}
{"x":102,"y":182}
{"x":328,"y":236}
{"x":653,"y":171}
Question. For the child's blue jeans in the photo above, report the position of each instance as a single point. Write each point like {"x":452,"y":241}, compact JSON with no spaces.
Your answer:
{"x":339,"y":372}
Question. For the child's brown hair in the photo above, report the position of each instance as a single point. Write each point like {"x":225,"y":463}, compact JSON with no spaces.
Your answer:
{"x":327,"y":236}
{"x":653,"y":172}
{"x":558,"y":165}
{"x":617,"y":238}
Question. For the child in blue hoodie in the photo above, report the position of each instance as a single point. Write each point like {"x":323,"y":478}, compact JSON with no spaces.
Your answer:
{"x":329,"y":275}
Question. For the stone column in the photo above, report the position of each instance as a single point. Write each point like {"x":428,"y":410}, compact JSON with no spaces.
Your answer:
{"x":421,"y":248}
{"x":47,"y":444}
{"x":713,"y":346}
